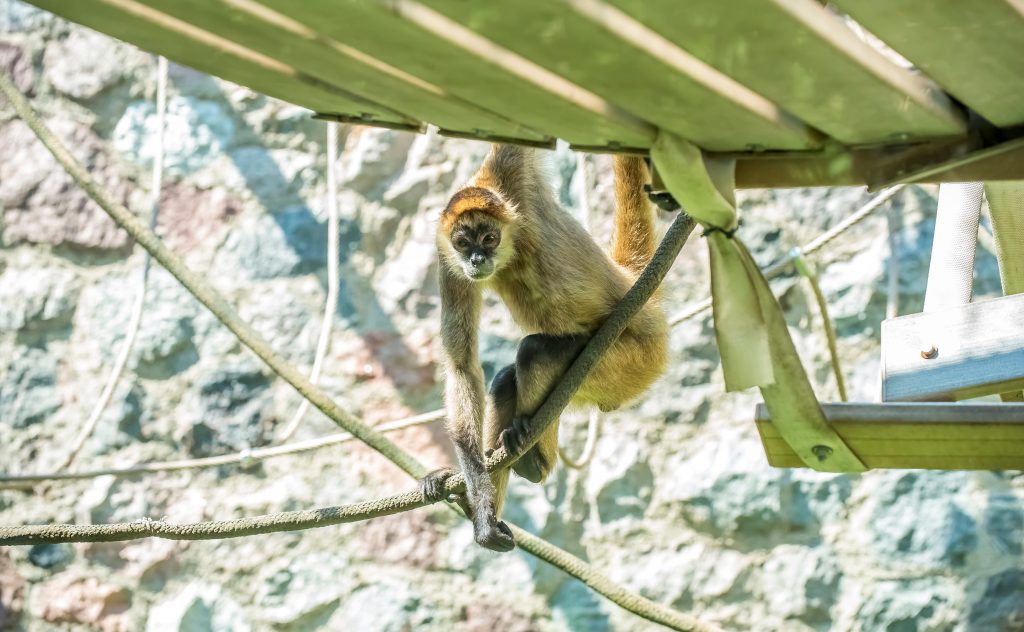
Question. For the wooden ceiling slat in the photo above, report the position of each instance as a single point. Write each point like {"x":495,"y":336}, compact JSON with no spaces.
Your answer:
{"x":184,"y":43}
{"x":646,"y":75}
{"x":426,"y":45}
{"x":256,"y":27}
{"x":805,"y":59}
{"x":974,"y":49}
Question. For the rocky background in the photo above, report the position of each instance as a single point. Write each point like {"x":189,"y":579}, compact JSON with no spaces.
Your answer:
{"x":678,"y":502}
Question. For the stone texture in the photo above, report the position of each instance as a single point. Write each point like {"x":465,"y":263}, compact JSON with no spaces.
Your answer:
{"x":196,"y":131}
{"x":1001,"y":607}
{"x":28,"y":392}
{"x":41,"y":204}
{"x":37,"y":298}
{"x":12,"y":593}
{"x":84,"y":64}
{"x":230,"y":406}
{"x":70,"y":598}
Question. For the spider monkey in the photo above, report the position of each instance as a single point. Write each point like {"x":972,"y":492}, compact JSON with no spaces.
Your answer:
{"x":506,"y":232}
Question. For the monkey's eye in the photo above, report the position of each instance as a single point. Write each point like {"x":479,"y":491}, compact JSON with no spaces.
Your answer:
{"x":490,"y":239}
{"x":461,"y":243}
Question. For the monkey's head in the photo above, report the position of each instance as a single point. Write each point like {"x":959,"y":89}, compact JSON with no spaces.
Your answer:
{"x":476,"y":229}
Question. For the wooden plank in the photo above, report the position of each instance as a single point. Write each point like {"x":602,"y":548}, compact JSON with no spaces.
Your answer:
{"x":600,"y":48}
{"x":178,"y":40}
{"x":973,"y":49}
{"x":919,"y":462}
{"x":921,"y":447}
{"x":804,"y":58}
{"x":905,"y":435}
{"x":427,"y":45}
{"x":980,"y":351}
{"x":258,"y":28}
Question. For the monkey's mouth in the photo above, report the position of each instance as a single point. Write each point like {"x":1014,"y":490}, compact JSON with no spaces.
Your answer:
{"x":480,"y":273}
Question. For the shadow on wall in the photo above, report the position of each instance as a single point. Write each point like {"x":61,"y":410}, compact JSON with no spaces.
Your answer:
{"x":303,"y":237}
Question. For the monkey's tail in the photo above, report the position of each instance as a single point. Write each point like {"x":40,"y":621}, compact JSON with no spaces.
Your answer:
{"x":633,"y":241}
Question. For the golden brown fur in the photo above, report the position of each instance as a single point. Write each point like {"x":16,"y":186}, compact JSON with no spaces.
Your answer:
{"x":559,"y":285}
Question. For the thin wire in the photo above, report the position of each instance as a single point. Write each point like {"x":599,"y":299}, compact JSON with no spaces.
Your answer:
{"x":140,"y":298}
{"x":333,"y":278}
{"x":245,"y":457}
{"x":777,"y":268}
{"x":830,"y":335}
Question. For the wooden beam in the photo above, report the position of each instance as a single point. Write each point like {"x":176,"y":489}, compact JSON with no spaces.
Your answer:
{"x":425,"y":44}
{"x":185,"y":43}
{"x":600,"y":48}
{"x":979,"y":350}
{"x":973,"y":49}
{"x":262,"y":29}
{"x":804,"y":58}
{"x":930,"y":436}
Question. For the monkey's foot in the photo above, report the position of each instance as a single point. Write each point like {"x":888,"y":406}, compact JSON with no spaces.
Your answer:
{"x":514,"y":436}
{"x":491,"y":533}
{"x":432,"y":484}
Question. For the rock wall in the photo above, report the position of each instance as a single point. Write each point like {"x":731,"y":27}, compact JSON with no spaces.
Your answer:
{"x":677,"y":504}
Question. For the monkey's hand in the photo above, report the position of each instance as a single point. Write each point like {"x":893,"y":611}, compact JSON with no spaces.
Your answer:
{"x":432,"y":484}
{"x":491,"y":533}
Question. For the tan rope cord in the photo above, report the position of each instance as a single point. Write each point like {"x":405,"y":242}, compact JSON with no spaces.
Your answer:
{"x":549,"y":410}
{"x":776,"y":269}
{"x":135,"y":320}
{"x":333,"y":278}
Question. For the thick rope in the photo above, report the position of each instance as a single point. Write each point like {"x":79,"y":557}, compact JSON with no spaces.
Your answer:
{"x":779,"y":267}
{"x":135,"y":320}
{"x":333,"y":278}
{"x":556,"y":401}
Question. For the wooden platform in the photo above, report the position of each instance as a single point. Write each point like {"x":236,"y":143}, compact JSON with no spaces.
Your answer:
{"x":911,"y":435}
{"x":786,"y":86}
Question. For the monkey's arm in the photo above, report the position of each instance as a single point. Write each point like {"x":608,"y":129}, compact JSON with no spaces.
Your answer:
{"x":515,"y":172}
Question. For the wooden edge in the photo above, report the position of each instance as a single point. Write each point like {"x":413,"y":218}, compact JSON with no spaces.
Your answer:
{"x":417,"y":128}
{"x":548,"y":143}
{"x":915,"y":413}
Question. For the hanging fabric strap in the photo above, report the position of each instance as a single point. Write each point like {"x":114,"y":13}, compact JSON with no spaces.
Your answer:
{"x":750,"y":328}
{"x":951,"y":270}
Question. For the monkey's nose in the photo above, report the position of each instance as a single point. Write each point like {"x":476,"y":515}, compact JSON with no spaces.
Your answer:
{"x":476,"y":258}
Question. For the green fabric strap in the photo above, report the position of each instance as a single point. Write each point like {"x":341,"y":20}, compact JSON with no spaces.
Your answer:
{"x":750,"y":328}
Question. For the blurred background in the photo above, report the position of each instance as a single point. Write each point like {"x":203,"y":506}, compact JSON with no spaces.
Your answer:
{"x":678,"y":502}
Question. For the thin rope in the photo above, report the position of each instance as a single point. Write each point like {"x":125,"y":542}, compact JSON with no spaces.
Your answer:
{"x":135,"y":320}
{"x":813,"y":246}
{"x":634,"y":299}
{"x":807,"y":271}
{"x":333,"y":278}
{"x":244,"y":457}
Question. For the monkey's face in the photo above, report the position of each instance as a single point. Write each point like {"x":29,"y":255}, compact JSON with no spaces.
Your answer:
{"x":476,"y":240}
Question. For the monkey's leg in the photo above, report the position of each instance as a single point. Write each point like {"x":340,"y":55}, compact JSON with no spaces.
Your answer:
{"x":501,"y":410}
{"x":540,"y":362}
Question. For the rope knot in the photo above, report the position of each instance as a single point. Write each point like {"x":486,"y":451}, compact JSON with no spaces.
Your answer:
{"x":710,"y":230}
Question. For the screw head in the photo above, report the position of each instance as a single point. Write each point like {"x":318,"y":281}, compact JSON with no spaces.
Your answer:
{"x":822,"y":452}
{"x":930,"y":353}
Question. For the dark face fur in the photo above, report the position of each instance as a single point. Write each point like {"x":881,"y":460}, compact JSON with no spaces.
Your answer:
{"x":476,"y":238}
